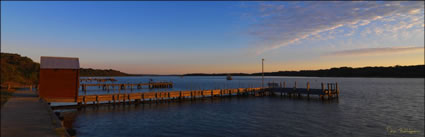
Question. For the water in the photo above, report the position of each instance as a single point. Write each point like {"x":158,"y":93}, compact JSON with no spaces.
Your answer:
{"x":366,"y":107}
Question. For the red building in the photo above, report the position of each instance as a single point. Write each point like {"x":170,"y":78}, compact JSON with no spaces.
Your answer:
{"x":59,"y":78}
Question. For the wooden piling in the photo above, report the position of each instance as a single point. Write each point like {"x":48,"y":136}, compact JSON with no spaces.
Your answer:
{"x":337,"y":89}
{"x":308,"y":89}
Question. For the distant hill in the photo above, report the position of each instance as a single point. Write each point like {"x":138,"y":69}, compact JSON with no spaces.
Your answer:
{"x":88,"y":72}
{"x":414,"y":71}
{"x":18,"y":69}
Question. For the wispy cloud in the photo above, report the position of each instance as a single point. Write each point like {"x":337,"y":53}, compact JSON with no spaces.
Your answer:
{"x":374,"y":51}
{"x":282,"y":25}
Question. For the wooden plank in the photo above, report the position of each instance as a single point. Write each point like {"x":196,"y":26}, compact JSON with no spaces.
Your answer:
{"x":242,"y":90}
{"x":197,"y":93}
{"x":225,"y":91}
{"x":90,"y":98}
{"x":206,"y":92}
{"x":80,"y":99}
{"x":121,"y":97}
{"x":149,"y":95}
{"x":105,"y":97}
{"x":256,"y":89}
{"x":134,"y":96}
{"x":216,"y":92}
{"x":186,"y":93}
{"x":162,"y":94}
{"x":175,"y":94}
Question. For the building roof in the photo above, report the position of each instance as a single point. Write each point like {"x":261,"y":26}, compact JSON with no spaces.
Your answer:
{"x":59,"y":63}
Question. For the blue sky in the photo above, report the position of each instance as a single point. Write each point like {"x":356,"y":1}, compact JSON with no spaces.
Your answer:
{"x":216,"y":37}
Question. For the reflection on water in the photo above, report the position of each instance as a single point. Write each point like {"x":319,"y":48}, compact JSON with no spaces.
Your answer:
{"x":366,"y":107}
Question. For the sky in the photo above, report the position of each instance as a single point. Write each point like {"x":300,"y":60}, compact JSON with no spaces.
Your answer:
{"x":143,"y":37}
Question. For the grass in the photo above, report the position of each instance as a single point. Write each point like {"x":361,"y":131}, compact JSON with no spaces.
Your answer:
{"x":5,"y":95}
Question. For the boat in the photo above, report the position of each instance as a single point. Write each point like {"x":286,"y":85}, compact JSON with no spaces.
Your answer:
{"x":229,"y":77}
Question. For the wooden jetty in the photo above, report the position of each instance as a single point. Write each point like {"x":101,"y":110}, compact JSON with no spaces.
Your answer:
{"x":274,"y":89}
{"x":329,"y":92}
{"x":109,"y":86}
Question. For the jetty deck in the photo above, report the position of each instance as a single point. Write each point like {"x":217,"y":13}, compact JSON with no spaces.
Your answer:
{"x":325,"y":93}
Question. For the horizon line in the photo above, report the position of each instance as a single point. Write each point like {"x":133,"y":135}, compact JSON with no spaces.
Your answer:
{"x":257,"y":72}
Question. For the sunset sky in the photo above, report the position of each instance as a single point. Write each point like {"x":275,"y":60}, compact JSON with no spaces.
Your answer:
{"x":216,"y":37}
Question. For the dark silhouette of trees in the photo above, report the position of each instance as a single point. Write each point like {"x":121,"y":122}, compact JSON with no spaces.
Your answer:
{"x":101,"y":72}
{"x":414,"y":71}
{"x":18,"y":69}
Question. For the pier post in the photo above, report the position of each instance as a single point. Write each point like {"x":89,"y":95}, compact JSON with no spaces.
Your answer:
{"x":202,"y":93}
{"x":212,"y":94}
{"x":143,"y":97}
{"x":328,"y":87}
{"x":308,"y":89}
{"x":323,"y":90}
{"x":295,"y":89}
{"x":169,"y":98}
{"x":97,"y":100}
{"x":329,"y":91}
{"x":337,"y":89}
{"x":114,"y":98}
{"x":125,"y":98}
{"x":221,"y":92}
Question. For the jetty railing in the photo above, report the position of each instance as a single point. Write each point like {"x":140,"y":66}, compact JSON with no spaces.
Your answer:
{"x":97,"y":79}
{"x":109,"y":86}
{"x":14,"y":86}
{"x":332,"y":90}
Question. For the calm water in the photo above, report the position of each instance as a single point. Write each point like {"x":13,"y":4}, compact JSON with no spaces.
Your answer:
{"x":366,"y":107}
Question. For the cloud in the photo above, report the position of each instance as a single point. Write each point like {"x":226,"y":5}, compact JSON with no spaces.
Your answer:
{"x":375,"y":51}
{"x":282,"y":25}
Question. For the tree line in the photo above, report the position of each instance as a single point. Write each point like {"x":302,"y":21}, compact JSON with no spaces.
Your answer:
{"x":19,"y":69}
{"x":413,"y":71}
